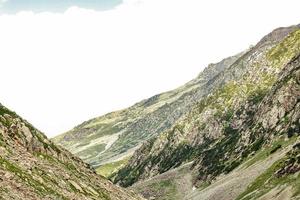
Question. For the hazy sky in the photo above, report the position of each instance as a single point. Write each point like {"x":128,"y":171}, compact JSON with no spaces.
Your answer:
{"x":66,"y":64}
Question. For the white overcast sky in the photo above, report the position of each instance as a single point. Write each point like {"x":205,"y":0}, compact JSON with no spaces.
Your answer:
{"x":60,"y":69}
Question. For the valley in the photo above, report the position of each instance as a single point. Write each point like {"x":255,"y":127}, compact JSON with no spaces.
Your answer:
{"x":233,"y":132}
{"x":223,"y":132}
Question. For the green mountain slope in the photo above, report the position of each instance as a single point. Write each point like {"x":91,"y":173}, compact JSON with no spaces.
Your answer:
{"x":232,"y":132}
{"x":116,"y":135}
{"x":32,"y":167}
{"x":260,"y":108}
{"x":220,"y":130}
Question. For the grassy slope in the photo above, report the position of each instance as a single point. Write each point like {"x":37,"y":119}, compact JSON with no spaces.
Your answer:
{"x":277,"y":59}
{"x":127,"y":129}
{"x":108,"y":169}
{"x":270,"y":179}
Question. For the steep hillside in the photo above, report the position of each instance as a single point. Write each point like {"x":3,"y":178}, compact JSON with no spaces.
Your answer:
{"x":178,"y":183}
{"x":238,"y":118}
{"x":222,"y":123}
{"x":32,"y":167}
{"x":116,"y":135}
{"x":249,"y":113}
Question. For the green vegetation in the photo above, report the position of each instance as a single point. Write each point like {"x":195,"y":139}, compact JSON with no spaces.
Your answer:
{"x":42,"y":139}
{"x":263,"y":153}
{"x":213,"y":159}
{"x":141,"y":121}
{"x":219,"y":128}
{"x":162,"y":190}
{"x":40,"y":188}
{"x":4,"y":120}
{"x":108,"y":169}
{"x":275,"y":176}
{"x":168,"y":188}
{"x":260,"y":182}
{"x":46,"y":157}
{"x":92,"y":151}
{"x":36,"y":168}
{"x":285,"y":50}
{"x":4,"y":110}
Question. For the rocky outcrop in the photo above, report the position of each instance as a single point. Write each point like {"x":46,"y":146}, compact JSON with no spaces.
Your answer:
{"x":32,"y":167}
{"x":290,"y":165}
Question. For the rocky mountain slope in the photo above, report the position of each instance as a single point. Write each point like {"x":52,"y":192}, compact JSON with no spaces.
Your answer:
{"x":116,"y":135}
{"x":252,"y":115}
{"x":238,"y":118}
{"x":32,"y":167}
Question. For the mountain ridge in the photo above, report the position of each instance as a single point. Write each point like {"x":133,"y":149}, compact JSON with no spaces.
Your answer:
{"x":215,"y":112}
{"x":32,"y":167}
{"x":141,"y":121}
{"x":237,"y":116}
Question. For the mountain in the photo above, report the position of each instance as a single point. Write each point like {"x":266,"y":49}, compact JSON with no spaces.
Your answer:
{"x":32,"y":167}
{"x":117,"y":135}
{"x":230,"y":133}
{"x":239,"y":142}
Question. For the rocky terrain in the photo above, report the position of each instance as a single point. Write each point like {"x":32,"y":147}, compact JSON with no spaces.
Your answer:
{"x":256,"y":107}
{"x":232,"y":130}
{"x":118,"y":134}
{"x":32,"y":167}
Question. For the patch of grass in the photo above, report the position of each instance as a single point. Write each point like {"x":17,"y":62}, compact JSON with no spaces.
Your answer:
{"x":285,"y":50}
{"x":260,"y":155}
{"x":4,"y":110}
{"x":260,"y":184}
{"x":91,"y":152}
{"x":108,"y":169}
{"x":169,"y":189}
{"x":162,"y":190}
{"x":266,"y":151}
{"x":297,"y":186}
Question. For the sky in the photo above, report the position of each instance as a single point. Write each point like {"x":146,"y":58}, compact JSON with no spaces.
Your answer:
{"x":64,"y":63}
{"x":14,"y":6}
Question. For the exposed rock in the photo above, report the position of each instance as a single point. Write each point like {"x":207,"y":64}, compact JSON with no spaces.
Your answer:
{"x":32,"y":167}
{"x":233,"y":121}
{"x":142,"y":121}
